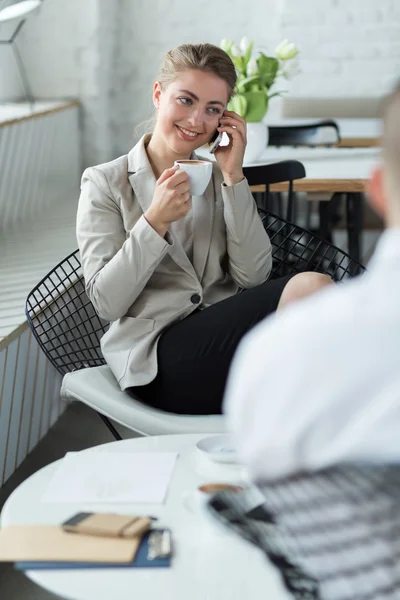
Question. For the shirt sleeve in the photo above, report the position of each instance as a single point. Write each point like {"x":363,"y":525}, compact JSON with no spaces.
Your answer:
{"x":316,"y":385}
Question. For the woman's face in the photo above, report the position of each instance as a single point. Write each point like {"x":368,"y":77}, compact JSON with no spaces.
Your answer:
{"x":189,"y":109}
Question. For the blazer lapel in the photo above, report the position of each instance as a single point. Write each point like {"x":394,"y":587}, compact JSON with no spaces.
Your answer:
{"x":203,"y":217}
{"x":143,"y":182}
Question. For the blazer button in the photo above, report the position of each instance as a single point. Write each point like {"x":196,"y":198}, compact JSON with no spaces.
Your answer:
{"x":196,"y":298}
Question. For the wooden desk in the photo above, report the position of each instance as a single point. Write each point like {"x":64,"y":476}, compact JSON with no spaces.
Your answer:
{"x":330,"y":171}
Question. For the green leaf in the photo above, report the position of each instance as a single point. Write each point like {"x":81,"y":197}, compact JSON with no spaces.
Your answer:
{"x":268,"y":68}
{"x":257,"y":106}
{"x":238,"y":62}
{"x":247,"y":55}
{"x":238,"y":104}
{"x":247,"y":83}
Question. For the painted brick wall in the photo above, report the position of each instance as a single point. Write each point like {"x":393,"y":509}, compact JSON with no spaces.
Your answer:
{"x":107,"y":52}
{"x":348,"y":47}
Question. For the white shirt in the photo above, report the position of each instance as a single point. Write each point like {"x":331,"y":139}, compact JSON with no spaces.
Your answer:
{"x":319,"y":383}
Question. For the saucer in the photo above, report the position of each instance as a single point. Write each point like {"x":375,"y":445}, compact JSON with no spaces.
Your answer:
{"x":219,"y":448}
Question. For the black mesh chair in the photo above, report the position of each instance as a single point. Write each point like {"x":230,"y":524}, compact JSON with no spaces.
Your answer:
{"x":68,"y":330}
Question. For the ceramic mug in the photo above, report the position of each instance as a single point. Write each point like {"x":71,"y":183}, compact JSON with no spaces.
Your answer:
{"x":199,"y":172}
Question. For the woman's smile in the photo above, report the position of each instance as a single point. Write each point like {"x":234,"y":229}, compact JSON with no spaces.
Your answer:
{"x":187,"y":134}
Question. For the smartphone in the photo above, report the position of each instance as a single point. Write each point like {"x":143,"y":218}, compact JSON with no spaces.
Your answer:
{"x":215,"y":141}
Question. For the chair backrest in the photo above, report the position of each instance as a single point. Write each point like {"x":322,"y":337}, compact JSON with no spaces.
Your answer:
{"x":63,"y":319}
{"x":320,"y":133}
{"x":285,"y":171}
{"x":295,"y":250}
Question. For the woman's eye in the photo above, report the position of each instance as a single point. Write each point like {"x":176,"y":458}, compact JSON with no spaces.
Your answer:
{"x":214,"y":111}
{"x":186,"y":101}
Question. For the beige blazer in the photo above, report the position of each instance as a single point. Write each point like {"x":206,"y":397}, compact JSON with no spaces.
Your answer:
{"x":142,"y":282}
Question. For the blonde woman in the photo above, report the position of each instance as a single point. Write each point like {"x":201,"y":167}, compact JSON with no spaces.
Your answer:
{"x":165,"y":268}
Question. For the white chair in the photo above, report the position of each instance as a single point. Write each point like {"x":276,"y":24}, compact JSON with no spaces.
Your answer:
{"x":68,"y":330}
{"x":97,"y":387}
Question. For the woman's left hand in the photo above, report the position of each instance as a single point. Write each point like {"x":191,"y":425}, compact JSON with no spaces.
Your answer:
{"x":230,"y":158}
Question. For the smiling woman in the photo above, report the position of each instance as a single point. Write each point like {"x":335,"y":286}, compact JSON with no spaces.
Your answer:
{"x":164,"y":267}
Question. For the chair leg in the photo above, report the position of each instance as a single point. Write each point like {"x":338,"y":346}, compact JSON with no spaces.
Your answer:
{"x":355,"y":215}
{"x":328,"y":211}
{"x":290,"y":203}
{"x":110,"y":426}
{"x":325,"y":221}
{"x":309,"y":211}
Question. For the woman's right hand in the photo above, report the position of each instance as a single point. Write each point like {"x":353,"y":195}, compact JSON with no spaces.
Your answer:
{"x":171,"y":200}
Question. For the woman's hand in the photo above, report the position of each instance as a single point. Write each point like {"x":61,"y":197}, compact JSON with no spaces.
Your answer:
{"x":230,"y":158}
{"x":171,"y":200}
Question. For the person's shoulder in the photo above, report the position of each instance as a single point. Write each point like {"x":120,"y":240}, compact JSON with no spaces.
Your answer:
{"x":109,"y":172}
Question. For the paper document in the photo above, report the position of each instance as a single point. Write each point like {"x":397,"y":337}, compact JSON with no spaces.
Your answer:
{"x":141,"y":477}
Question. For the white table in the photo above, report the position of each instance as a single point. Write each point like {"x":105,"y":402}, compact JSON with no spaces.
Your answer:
{"x":209,"y":563}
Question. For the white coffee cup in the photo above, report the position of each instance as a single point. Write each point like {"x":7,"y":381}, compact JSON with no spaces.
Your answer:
{"x":199,"y":172}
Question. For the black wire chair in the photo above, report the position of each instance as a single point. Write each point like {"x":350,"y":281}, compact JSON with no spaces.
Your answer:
{"x":68,"y":329}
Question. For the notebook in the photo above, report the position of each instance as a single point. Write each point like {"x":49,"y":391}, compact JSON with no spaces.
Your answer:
{"x":140,"y":561}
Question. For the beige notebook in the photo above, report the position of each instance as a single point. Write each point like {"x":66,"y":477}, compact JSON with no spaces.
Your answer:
{"x":50,"y":543}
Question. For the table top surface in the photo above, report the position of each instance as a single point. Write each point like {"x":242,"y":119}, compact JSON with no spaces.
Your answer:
{"x":325,"y":163}
{"x":209,"y":560}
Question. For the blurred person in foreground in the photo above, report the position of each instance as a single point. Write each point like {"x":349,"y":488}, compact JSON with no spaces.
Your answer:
{"x":319,"y":383}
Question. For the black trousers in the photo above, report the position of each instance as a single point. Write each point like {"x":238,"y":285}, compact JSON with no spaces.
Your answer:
{"x":194,"y":355}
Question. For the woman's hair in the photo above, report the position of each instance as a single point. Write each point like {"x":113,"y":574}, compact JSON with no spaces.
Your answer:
{"x":203,"y":57}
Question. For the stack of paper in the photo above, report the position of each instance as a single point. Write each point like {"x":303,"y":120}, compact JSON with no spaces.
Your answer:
{"x":111,"y":477}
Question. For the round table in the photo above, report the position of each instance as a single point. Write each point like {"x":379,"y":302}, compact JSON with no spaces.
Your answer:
{"x":209,"y":563}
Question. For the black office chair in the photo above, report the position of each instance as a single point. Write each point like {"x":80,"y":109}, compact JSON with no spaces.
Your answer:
{"x":320,"y":133}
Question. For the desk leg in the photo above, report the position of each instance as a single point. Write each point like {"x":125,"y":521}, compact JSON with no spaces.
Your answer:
{"x":327,"y":214}
{"x":355,"y":217}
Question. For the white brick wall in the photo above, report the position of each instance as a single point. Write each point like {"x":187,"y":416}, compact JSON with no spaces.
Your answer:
{"x":348,"y":47}
{"x":107,"y":52}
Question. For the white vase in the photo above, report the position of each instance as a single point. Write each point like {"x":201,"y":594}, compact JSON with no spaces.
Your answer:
{"x":257,"y":141}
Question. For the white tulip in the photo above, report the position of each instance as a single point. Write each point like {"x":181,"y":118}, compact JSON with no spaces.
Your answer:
{"x":252,"y":67}
{"x":244,"y":44}
{"x":291,"y":69}
{"x":286,"y":50}
{"x":235,"y":51}
{"x":225,"y":44}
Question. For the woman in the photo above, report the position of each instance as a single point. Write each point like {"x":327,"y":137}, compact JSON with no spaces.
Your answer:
{"x":165,"y":268}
